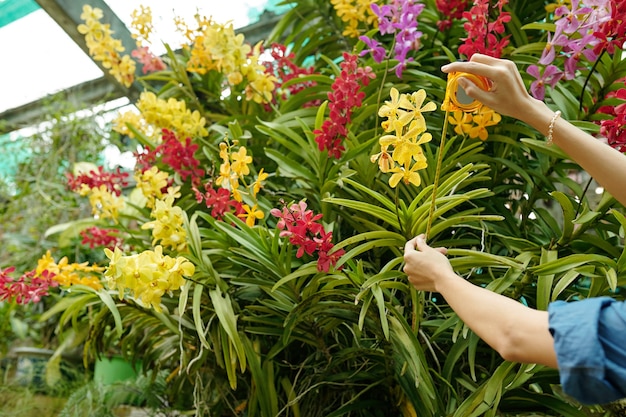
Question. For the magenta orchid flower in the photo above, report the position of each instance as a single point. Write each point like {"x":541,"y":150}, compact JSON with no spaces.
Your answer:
{"x":568,"y":20}
{"x":551,"y":75}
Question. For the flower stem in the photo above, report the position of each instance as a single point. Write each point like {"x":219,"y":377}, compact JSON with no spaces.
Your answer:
{"x":582,"y":91}
{"x":442,"y":143}
{"x":396,"y":198}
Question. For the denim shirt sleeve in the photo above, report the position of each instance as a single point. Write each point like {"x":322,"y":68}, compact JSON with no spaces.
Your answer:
{"x":590,"y":344}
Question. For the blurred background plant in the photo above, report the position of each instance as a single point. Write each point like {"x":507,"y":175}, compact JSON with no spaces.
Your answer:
{"x":253,"y":253}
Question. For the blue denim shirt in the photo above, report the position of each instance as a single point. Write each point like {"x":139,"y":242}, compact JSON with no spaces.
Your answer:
{"x":590,"y":343}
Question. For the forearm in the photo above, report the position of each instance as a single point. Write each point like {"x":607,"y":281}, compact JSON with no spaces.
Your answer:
{"x":605,"y":164}
{"x":515,"y":331}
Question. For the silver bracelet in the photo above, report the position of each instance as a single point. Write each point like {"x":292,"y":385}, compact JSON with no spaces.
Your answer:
{"x":557,"y":114}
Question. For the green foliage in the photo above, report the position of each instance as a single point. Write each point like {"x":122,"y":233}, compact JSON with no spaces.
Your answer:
{"x":18,"y":401}
{"x":97,"y":399}
{"x":262,"y":329}
{"x":34,"y":194}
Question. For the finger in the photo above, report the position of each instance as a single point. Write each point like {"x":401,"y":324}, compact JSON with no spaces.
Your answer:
{"x":473,"y":90}
{"x":473,"y":67}
{"x":410,"y":246}
{"x":484,"y":59}
{"x":442,"y":250}
{"x":420,"y":243}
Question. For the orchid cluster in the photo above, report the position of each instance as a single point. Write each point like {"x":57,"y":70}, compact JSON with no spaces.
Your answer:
{"x":583,"y":30}
{"x":66,"y":273}
{"x":147,"y":275}
{"x":400,"y":150}
{"x":90,"y":176}
{"x":28,"y":288}
{"x":219,"y":201}
{"x":474,"y":124}
{"x":400,"y":19}
{"x":142,"y":25}
{"x":485,"y":36}
{"x":614,"y":128}
{"x":216,"y":47}
{"x":32,"y":286}
{"x":168,"y":226}
{"x":104,"y":48}
{"x":450,"y":10}
{"x":104,"y":190}
{"x":354,"y":13}
{"x":471,"y":119}
{"x":154,"y":184}
{"x":230,"y":196}
{"x":345,"y":96}
{"x":304,"y":231}
{"x":160,"y":194}
{"x":174,"y":153}
{"x":157,"y":114}
{"x":97,"y":237}
{"x":280,"y":65}
{"x":108,"y":50}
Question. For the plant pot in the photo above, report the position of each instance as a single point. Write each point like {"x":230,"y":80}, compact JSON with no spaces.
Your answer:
{"x":115,"y":369}
{"x":26,"y":366}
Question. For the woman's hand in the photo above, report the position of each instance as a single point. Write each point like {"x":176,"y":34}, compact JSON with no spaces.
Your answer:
{"x":508,"y":94}
{"x":424,"y":265}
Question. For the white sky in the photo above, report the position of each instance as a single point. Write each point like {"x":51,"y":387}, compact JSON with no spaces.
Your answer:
{"x":34,"y":63}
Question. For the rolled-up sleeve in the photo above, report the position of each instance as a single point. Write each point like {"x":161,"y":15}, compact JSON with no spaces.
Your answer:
{"x":590,"y":344}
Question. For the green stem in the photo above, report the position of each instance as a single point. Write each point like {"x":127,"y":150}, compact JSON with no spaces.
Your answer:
{"x":582,"y":91}
{"x":396,"y":198}
{"x":417,"y":299}
{"x":380,"y":93}
{"x":582,"y":196}
{"x":437,"y":174}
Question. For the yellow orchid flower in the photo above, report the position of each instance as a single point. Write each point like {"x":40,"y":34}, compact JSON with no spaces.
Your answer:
{"x":251,"y":214}
{"x":408,"y":176}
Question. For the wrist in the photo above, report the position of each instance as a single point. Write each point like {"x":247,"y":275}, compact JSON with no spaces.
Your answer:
{"x":537,"y":115}
{"x":446,"y":281}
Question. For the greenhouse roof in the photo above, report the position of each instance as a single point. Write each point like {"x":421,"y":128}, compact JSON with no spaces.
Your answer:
{"x":44,"y":54}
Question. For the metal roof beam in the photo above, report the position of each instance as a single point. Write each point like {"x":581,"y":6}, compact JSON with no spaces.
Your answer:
{"x":88,"y":93}
{"x":67,"y":15}
{"x":102,"y":89}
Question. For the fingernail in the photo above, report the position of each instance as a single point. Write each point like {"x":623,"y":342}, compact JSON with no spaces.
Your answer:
{"x":445,"y":67}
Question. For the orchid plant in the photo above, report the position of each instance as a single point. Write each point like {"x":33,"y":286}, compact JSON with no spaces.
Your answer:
{"x":254,"y":252}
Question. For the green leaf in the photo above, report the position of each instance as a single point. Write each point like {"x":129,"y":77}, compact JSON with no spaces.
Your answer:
{"x":228,"y":320}
{"x":379,"y":212}
{"x":568,"y":278}
{"x":304,"y":270}
{"x":290,"y":168}
{"x":572,"y":261}
{"x":320,"y":117}
{"x":543,"y":147}
{"x":263,"y":390}
{"x":197,"y":315}
{"x":384,"y":200}
{"x":410,"y":367}
{"x":547,"y":27}
{"x":70,"y":230}
{"x":621,"y":262}
{"x":382,"y":310}
{"x":565,"y":101}
{"x":568,"y":215}
{"x":544,"y":281}
{"x":465,"y":257}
